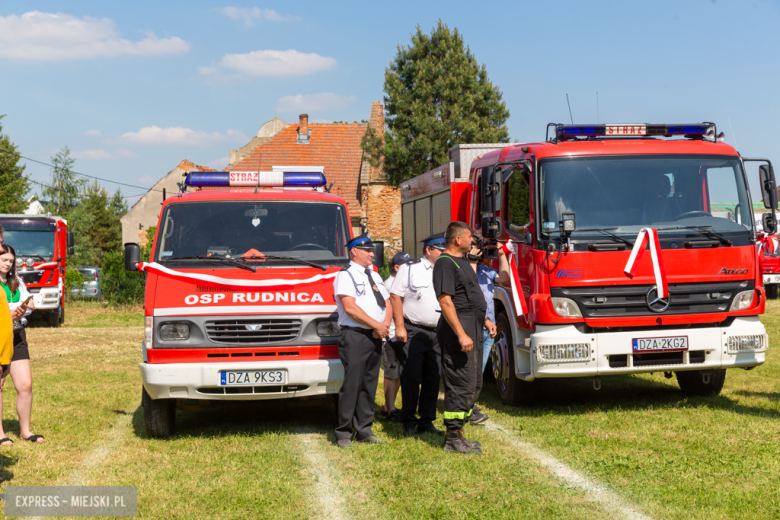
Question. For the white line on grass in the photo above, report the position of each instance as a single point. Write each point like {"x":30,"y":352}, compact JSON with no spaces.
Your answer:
{"x":99,"y":453}
{"x":596,"y":490}
{"x":329,"y":497}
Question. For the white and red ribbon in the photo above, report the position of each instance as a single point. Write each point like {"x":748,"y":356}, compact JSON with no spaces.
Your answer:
{"x":510,"y":250}
{"x":770,"y":242}
{"x":227,"y":283}
{"x":46,"y":265}
{"x":649,"y":236}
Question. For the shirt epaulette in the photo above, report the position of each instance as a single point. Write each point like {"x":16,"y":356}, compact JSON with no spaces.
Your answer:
{"x":413,"y":261}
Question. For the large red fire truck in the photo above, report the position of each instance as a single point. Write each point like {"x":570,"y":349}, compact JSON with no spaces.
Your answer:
{"x":578,"y":212}
{"x":239,"y":298}
{"x":42,"y":243}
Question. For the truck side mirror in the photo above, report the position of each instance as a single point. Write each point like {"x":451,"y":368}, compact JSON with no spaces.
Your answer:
{"x":69,"y":241}
{"x":491,"y":227}
{"x":768,"y":187}
{"x":379,"y":254}
{"x":490,"y":188}
{"x":769,"y":222}
{"x":132,"y":256}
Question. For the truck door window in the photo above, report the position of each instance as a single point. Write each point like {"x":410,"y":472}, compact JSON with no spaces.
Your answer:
{"x":516,"y":202}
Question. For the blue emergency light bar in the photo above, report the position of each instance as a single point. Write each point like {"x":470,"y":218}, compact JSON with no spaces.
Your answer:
{"x":632,"y":130}
{"x":251,"y":179}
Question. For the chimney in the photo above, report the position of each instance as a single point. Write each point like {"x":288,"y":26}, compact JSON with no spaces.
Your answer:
{"x":303,"y":129}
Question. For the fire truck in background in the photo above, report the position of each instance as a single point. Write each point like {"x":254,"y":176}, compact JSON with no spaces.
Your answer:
{"x":578,"y":211}
{"x":771,"y":248}
{"x":239,"y":298}
{"x":42,"y":243}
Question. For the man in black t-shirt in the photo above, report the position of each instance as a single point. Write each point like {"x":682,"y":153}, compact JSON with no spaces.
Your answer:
{"x":460,"y":334}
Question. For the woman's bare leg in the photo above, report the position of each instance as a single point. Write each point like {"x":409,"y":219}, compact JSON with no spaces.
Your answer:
{"x":21,"y":373}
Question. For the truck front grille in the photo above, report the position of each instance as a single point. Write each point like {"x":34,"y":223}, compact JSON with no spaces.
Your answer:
{"x":31,"y":277}
{"x":629,"y":300}
{"x":253,"y":331}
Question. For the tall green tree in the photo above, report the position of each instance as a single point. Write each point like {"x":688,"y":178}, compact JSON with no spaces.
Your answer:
{"x":117,"y":205}
{"x":437,"y":96}
{"x":105,"y":231}
{"x":13,"y":184}
{"x":66,"y":186}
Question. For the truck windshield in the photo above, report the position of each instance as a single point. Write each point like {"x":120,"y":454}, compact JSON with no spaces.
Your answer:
{"x":312,"y":231}
{"x":625,"y":194}
{"x":32,"y":238}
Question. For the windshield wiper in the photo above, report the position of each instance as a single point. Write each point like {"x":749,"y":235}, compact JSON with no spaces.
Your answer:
{"x":606,"y":232}
{"x":264,"y":257}
{"x":228,"y":261}
{"x":704,"y":231}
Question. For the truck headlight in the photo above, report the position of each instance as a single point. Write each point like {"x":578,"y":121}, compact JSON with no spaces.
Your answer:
{"x":743,"y":300}
{"x":148,"y":331}
{"x":566,"y":308}
{"x":329,"y":328}
{"x":174,"y":331}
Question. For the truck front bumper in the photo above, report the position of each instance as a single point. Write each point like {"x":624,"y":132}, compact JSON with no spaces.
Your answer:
{"x":47,"y":299}
{"x":201,"y":380}
{"x":772,"y":279}
{"x":611,"y":353}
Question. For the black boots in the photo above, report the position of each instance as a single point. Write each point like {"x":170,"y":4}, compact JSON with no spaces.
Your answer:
{"x":455,"y":443}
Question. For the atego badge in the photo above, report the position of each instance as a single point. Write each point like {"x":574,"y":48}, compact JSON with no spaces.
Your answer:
{"x":656,"y":304}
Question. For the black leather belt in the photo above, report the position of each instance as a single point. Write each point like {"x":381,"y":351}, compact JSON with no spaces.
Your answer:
{"x":425,"y":327}
{"x":359,"y":329}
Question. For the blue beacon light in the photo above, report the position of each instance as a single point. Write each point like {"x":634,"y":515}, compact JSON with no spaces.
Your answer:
{"x":250,"y":179}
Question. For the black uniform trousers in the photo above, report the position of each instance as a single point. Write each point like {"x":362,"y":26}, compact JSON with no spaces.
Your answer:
{"x":361,"y":355}
{"x":419,"y":362}
{"x":461,"y":371}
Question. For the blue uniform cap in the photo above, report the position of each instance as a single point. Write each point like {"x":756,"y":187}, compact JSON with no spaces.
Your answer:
{"x":362,"y":242}
{"x":436,"y":240}
{"x":400,"y":258}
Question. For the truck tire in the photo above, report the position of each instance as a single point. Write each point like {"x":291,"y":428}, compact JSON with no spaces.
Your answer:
{"x":159,"y":416}
{"x":53,"y":318}
{"x":771,"y":291}
{"x":693,"y":382}
{"x":513,"y":391}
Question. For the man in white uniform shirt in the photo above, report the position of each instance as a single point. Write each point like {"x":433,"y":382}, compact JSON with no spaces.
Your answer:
{"x":416,"y":313}
{"x":364,"y":310}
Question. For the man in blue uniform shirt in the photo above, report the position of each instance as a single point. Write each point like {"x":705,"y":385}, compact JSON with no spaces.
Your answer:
{"x":364,"y":310}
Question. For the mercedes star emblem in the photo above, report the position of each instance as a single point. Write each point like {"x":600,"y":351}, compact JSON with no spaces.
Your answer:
{"x":656,"y":304}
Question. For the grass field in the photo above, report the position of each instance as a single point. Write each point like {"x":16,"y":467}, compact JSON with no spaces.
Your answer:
{"x":663,"y":455}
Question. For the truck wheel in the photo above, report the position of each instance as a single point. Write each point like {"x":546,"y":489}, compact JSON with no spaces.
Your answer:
{"x":771,"y":292}
{"x":159,"y":416}
{"x":693,"y":382}
{"x":53,"y":318}
{"x":512,"y":390}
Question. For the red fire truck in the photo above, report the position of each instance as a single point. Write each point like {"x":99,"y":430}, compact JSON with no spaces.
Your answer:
{"x":578,"y":212}
{"x":239,"y":298}
{"x":769,"y":245}
{"x":42,"y":243}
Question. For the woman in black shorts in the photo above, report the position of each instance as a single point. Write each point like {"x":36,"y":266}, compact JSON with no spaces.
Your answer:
{"x":21,"y":373}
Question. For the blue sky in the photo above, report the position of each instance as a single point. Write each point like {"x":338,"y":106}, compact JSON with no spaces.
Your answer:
{"x":135,"y":87}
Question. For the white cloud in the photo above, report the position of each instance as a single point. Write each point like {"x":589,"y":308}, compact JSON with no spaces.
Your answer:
{"x":92,"y":155}
{"x":38,"y":36}
{"x":273,"y":63}
{"x":313,"y":102}
{"x":103,"y":155}
{"x":176,"y":135}
{"x":93,"y":133}
{"x":219,"y":164}
{"x":255,"y":14}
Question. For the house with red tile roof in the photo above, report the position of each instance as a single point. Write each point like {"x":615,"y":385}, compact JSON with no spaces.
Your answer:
{"x":373,"y":204}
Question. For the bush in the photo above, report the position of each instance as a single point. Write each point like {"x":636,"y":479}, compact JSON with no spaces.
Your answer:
{"x":120,"y":287}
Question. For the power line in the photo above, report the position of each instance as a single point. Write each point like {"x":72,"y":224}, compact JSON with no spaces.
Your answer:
{"x":91,"y":176}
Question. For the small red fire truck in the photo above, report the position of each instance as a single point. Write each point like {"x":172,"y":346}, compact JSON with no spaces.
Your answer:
{"x":42,"y":243}
{"x":577,"y":213}
{"x":239,"y":298}
{"x":769,"y":245}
